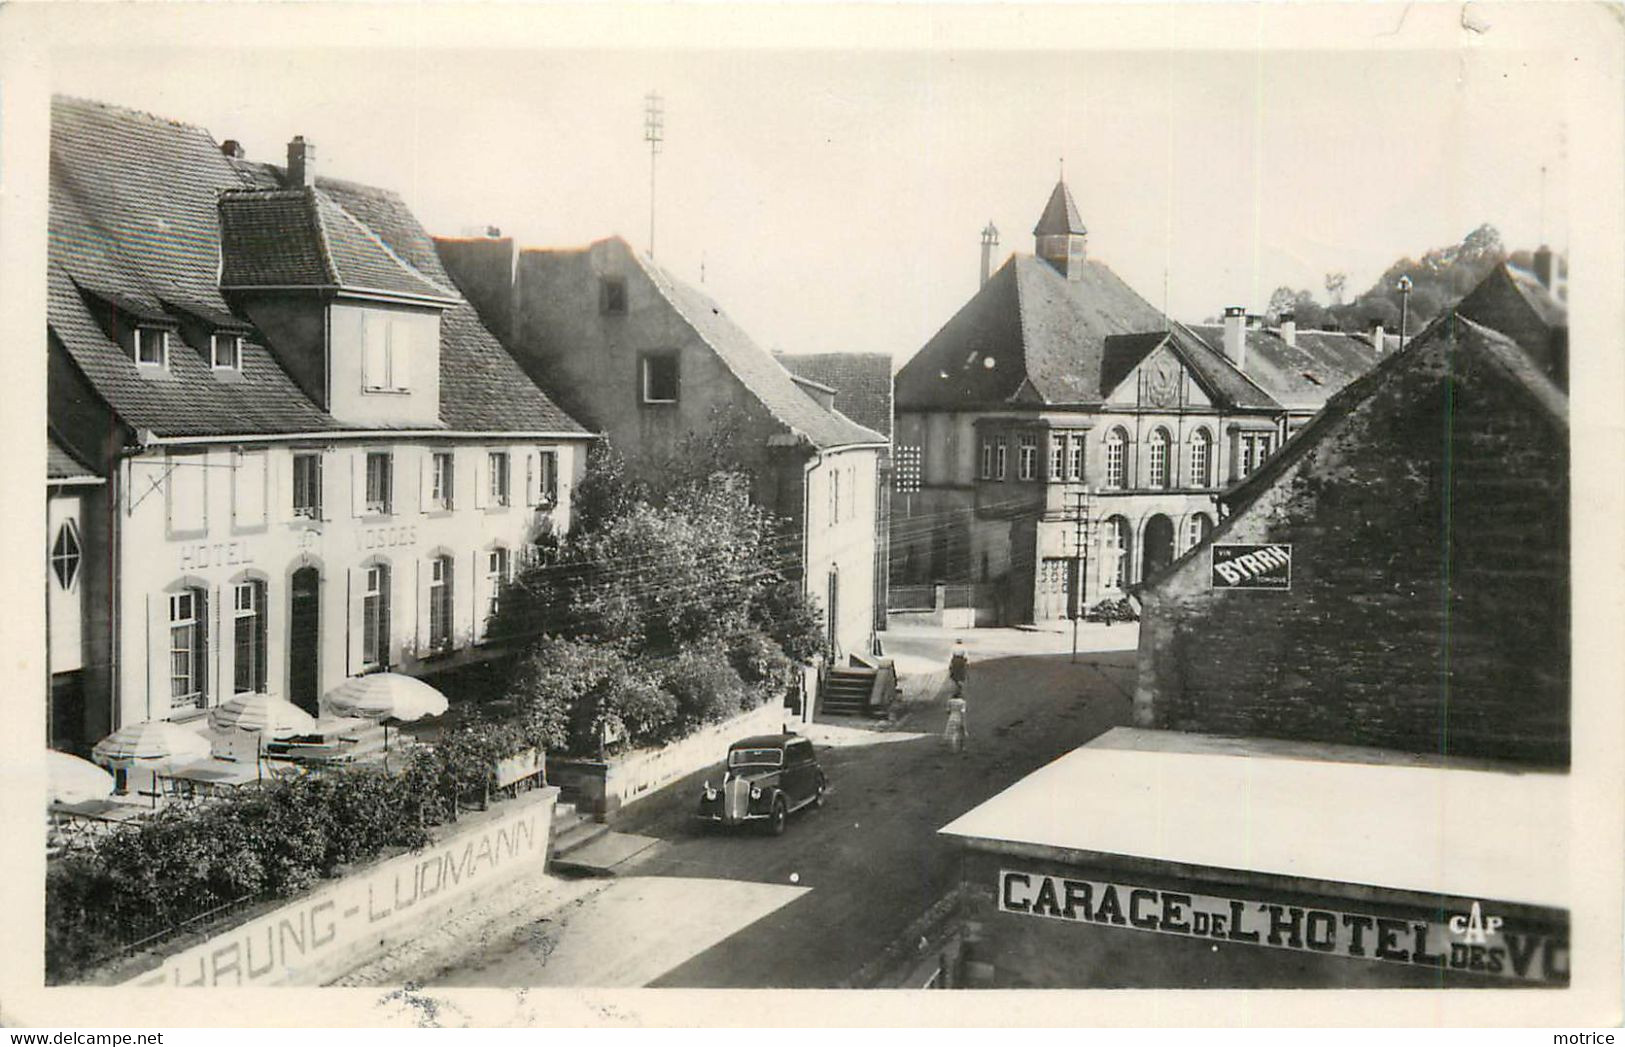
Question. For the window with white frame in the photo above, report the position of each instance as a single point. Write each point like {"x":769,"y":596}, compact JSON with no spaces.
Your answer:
{"x":386,"y":353}
{"x":1255,"y":447}
{"x":1115,"y":442}
{"x":375,"y":618}
{"x":442,"y":480}
{"x":1197,"y":529}
{"x":152,"y":346}
{"x":1026,"y":456}
{"x":226,"y":351}
{"x":440,"y":602}
{"x":380,"y":482}
{"x":1201,"y":458}
{"x":1117,"y":546}
{"x":497,"y":466}
{"x":496,"y":577}
{"x":1057,"y":456}
{"x":188,"y":649}
{"x":1074,"y":465}
{"x":65,"y":554}
{"x":1000,"y":456}
{"x":248,"y":637}
{"x":987,"y":458}
{"x":1157,"y":460}
{"x":547,"y":482}
{"x":307,"y":485}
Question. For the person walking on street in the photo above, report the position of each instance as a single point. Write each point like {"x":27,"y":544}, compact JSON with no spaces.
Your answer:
{"x":955,"y":732}
{"x":959,"y":667}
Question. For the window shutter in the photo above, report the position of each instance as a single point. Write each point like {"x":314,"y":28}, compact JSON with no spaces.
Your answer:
{"x":356,"y":593}
{"x":358,"y":482}
{"x":426,"y":481}
{"x":281,"y":467}
{"x":530,"y":478}
{"x":400,"y":354}
{"x":482,"y":478}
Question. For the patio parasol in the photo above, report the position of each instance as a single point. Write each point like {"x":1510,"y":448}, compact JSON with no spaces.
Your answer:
{"x":70,"y":779}
{"x":385,"y":697}
{"x":155,"y":746}
{"x":264,"y":714}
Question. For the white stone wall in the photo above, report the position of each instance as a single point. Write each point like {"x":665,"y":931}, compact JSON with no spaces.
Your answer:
{"x":840,"y":538}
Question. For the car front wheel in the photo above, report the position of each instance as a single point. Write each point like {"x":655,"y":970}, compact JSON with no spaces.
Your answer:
{"x":775,"y":824}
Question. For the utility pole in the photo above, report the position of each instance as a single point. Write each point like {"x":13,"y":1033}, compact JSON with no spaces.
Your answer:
{"x":1404,"y":287}
{"x":654,"y":132}
{"x":1080,"y":558}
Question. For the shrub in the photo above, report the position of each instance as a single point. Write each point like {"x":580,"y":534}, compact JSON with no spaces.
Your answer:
{"x":144,"y":879}
{"x":705,"y":689}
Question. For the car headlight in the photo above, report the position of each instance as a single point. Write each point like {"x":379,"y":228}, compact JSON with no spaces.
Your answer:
{"x":755,"y":793}
{"x":710,"y":794}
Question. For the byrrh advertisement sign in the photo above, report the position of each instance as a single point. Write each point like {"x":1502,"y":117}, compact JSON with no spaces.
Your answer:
{"x":1252,"y":567}
{"x":1475,"y":941}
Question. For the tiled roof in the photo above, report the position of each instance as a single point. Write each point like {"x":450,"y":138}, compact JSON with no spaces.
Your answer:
{"x":301,"y":238}
{"x":1060,"y":215}
{"x":760,"y":373}
{"x":135,"y":214}
{"x":1031,"y":333}
{"x":1514,"y":303}
{"x":862,"y":383}
{"x":1301,"y":376}
{"x":63,"y":464}
{"x":1450,"y":334}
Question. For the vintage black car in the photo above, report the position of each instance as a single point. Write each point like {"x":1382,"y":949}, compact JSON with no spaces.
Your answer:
{"x":767,"y":778}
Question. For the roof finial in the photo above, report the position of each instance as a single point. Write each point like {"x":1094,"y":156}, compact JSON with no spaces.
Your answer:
{"x":1062,"y":176}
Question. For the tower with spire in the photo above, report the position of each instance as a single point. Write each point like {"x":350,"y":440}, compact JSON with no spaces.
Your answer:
{"x":1061,"y":239}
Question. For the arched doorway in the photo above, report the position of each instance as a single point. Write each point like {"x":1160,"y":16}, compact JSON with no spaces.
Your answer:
{"x":1159,"y":546}
{"x":304,"y":639}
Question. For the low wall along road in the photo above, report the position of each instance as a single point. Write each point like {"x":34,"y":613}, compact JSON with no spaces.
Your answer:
{"x":327,"y":932}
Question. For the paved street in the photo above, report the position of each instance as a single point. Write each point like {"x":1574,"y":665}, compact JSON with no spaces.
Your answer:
{"x":814,"y":907}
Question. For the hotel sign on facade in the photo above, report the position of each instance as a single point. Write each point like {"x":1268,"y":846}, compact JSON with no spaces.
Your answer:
{"x":1467,"y":941}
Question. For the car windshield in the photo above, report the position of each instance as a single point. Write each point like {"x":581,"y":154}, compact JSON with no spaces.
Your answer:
{"x":755,"y":758}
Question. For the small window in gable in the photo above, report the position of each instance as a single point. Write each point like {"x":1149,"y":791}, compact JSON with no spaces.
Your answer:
{"x":152,"y":347}
{"x":612,"y":295}
{"x":65,"y":554}
{"x":660,"y":378}
{"x":226,"y":351}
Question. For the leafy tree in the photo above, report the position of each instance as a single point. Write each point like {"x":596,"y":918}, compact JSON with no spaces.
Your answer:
{"x":1335,"y":284}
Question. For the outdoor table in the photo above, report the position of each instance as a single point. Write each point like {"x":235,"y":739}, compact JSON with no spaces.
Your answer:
{"x":92,"y":817}
{"x":210,"y":776}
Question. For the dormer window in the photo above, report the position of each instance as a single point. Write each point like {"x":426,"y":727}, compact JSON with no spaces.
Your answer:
{"x":386,"y":362}
{"x":226,"y":351}
{"x":152,"y":347}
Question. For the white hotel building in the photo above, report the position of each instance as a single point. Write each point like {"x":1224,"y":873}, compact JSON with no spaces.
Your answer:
{"x":319,"y":463}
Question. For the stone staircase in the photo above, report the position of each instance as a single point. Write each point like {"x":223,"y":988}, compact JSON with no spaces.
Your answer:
{"x":846,"y":691}
{"x":572,"y":830}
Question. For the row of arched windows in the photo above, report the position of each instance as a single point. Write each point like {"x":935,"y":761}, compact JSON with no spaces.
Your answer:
{"x":189,"y":619}
{"x":1159,"y":472}
{"x":1159,"y":546}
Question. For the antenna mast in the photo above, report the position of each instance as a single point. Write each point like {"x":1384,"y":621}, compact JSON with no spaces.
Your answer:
{"x":654,"y":132}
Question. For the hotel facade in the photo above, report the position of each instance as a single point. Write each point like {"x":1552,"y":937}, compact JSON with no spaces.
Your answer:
{"x":318,"y":463}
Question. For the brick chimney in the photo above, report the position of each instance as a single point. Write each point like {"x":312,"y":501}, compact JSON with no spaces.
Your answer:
{"x":232,"y":148}
{"x":301,"y":163}
{"x":1544,"y":270}
{"x":1235,"y":335}
{"x":1289,"y":328}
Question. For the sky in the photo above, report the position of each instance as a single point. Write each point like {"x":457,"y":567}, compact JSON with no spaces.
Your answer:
{"x":835,"y":198}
